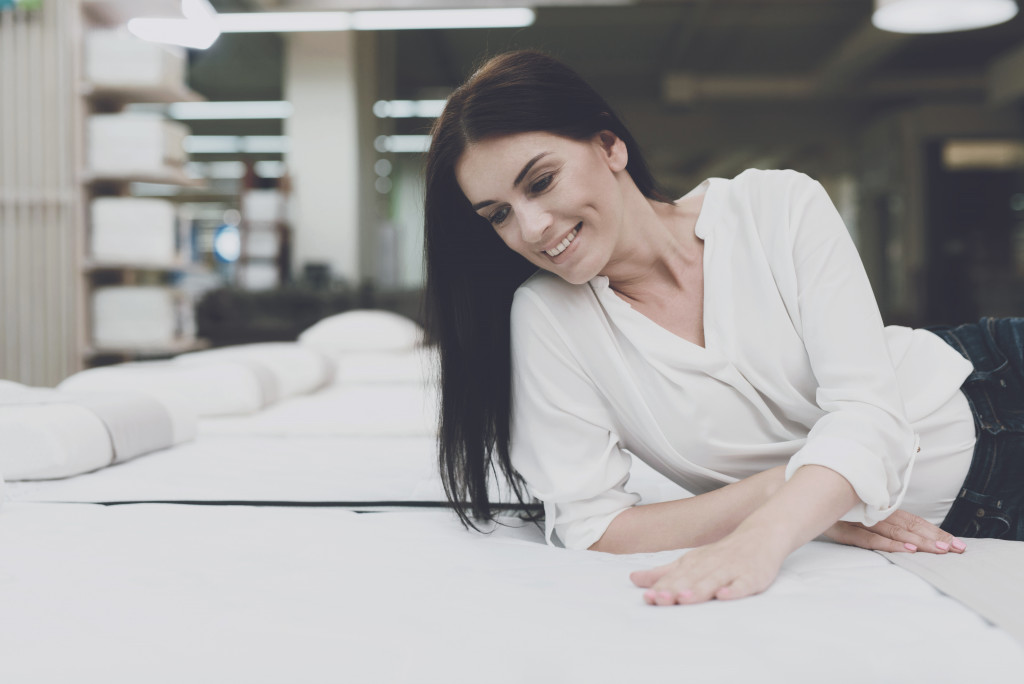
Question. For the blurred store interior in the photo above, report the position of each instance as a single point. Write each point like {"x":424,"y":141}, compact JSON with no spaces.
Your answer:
{"x":157,"y":199}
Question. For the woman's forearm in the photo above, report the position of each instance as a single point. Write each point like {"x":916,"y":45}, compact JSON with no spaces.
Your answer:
{"x":690,"y":522}
{"x":791,"y":513}
{"x":810,"y":502}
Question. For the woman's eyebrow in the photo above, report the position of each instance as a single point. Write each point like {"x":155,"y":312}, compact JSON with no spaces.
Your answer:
{"x":517,"y":181}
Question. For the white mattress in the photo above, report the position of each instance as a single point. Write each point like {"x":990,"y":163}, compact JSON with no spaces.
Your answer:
{"x":357,"y":471}
{"x":157,"y":593}
{"x":300,"y":469}
{"x":399,"y":409}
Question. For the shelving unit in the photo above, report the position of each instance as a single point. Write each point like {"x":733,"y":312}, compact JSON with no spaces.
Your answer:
{"x":111,"y":271}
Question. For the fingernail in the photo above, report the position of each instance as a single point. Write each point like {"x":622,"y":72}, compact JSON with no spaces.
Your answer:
{"x":686,"y":594}
{"x":665,"y":595}
{"x":649,"y":594}
{"x":909,"y":547}
{"x":942,"y":545}
{"x":959,"y":545}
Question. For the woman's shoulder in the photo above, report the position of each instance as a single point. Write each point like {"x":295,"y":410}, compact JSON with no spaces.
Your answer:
{"x":545,"y":294}
{"x":550,"y":287}
{"x":769,"y":184}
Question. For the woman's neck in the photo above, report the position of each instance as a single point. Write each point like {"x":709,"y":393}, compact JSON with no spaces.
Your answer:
{"x":660,"y":253}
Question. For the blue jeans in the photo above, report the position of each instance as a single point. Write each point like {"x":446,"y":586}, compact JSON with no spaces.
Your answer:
{"x":991,"y":501}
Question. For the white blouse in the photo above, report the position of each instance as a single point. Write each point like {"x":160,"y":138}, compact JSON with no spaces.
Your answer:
{"x":796,"y":369}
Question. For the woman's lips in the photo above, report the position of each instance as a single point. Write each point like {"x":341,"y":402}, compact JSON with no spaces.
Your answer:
{"x":564,"y":244}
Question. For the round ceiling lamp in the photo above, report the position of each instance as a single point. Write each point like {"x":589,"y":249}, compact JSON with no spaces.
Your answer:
{"x":940,"y":16}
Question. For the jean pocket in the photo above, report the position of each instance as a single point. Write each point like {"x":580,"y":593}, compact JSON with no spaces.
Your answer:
{"x":978,"y":515}
{"x":998,"y":398}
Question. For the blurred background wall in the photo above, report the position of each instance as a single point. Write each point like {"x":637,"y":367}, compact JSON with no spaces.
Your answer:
{"x":315,"y":205}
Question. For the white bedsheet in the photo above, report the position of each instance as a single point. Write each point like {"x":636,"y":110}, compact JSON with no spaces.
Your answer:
{"x":156,"y":593}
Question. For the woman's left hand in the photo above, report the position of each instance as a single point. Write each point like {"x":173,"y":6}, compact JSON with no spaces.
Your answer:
{"x":736,"y":566}
{"x":901,"y":531}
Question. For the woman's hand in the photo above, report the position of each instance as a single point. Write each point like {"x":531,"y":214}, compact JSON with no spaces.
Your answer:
{"x":738,"y":565}
{"x":901,"y":531}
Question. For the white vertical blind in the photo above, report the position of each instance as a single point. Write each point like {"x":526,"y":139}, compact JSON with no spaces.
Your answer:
{"x":41,"y":220}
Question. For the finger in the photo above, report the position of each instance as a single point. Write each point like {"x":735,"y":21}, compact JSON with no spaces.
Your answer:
{"x":866,"y":539}
{"x":735,"y":590}
{"x":908,"y":527}
{"x":908,"y":538}
{"x":687,"y":591}
{"x":647,"y":578}
{"x":663,"y":597}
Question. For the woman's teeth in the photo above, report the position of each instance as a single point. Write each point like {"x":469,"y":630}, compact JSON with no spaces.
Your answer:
{"x":561,"y":246}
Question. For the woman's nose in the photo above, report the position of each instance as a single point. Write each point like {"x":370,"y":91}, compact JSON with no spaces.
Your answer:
{"x":534,"y":221}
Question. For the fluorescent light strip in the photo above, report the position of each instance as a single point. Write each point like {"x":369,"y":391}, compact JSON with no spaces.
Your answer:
{"x":274,"y":22}
{"x":511,"y":17}
{"x":234,"y":144}
{"x":408,"y":109}
{"x":391,"y":20}
{"x":402,"y":143}
{"x":194,"y":111}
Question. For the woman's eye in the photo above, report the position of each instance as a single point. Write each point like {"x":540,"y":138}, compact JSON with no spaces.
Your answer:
{"x":498,"y":216}
{"x":542,"y":184}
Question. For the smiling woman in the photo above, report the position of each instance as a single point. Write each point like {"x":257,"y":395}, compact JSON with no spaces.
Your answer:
{"x":730,"y":339}
{"x":472,"y":276}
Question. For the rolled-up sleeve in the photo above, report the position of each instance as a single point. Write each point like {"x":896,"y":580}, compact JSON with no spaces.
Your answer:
{"x":863,"y":434}
{"x":563,"y":440}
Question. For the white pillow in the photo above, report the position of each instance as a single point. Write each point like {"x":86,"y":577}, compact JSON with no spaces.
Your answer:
{"x":362,"y":330}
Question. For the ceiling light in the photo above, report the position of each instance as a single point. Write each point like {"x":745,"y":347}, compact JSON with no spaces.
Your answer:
{"x":402,"y":143}
{"x":510,"y":17}
{"x":940,"y":16}
{"x":197,"y":30}
{"x":408,"y":109}
{"x":194,"y":111}
{"x":274,"y":22}
{"x":388,"y":20}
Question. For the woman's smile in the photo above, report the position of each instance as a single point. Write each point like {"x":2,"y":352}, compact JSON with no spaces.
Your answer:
{"x":562,"y":247}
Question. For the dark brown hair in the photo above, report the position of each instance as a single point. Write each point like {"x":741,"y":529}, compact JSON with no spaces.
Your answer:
{"x":472,"y":275}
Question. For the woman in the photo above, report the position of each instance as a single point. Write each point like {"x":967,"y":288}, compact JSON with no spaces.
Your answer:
{"x":730,"y":339}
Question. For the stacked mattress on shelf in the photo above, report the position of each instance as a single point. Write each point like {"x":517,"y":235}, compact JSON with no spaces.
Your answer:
{"x":279,"y":518}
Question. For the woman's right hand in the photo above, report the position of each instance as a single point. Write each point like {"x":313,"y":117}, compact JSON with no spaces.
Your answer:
{"x":901,"y":531}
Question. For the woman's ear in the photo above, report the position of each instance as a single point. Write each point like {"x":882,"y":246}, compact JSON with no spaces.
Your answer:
{"x":614,"y":149}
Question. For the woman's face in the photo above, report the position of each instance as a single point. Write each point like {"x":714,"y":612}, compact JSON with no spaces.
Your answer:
{"x":554,"y":200}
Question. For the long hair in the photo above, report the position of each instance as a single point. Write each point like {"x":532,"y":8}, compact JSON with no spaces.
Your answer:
{"x":471,"y":275}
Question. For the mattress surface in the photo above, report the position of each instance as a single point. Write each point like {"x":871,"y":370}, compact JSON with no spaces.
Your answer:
{"x":362,"y":472}
{"x":159,"y":593}
{"x":300,"y":469}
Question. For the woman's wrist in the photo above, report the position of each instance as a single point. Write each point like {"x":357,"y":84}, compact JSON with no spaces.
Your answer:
{"x":801,"y":508}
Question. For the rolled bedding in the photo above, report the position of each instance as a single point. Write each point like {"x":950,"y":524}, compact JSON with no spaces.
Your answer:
{"x":288,"y":369}
{"x":47,"y":434}
{"x":214,"y":388}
